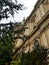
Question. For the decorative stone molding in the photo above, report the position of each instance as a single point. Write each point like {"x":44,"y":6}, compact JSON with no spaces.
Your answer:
{"x":40,"y":27}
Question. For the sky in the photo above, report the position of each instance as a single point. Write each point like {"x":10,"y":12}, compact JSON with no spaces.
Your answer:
{"x":18,"y":17}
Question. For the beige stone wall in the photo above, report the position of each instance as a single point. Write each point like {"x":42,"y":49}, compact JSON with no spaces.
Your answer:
{"x":26,"y":49}
{"x":47,"y":35}
{"x":42,"y":35}
{"x":42,"y":11}
{"x":18,"y":43}
{"x":39,"y":13}
{"x":31,"y":26}
{"x":31,"y":45}
{"x":44,"y":40}
{"x":38,"y":16}
{"x":46,"y":5}
{"x":27,"y":31}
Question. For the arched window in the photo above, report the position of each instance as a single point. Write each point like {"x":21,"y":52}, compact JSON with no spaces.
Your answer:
{"x":36,"y":43}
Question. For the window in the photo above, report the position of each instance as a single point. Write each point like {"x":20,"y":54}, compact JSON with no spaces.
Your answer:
{"x":36,"y":43}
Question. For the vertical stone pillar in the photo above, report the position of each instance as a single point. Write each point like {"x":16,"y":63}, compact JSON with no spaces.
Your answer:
{"x":42,"y":12}
{"x":44,"y":40}
{"x":41,"y":40}
{"x":38,"y":16}
{"x":32,"y":45}
{"x":47,"y":35}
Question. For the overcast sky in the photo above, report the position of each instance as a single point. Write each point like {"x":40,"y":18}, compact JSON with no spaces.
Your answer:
{"x":24,"y":13}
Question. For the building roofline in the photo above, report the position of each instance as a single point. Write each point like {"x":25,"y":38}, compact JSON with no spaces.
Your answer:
{"x":35,"y":8}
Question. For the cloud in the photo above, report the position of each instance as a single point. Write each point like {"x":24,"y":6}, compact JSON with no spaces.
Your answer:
{"x":24,"y":13}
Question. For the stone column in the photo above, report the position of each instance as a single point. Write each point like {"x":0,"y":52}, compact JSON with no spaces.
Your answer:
{"x":47,"y":35}
{"x":42,"y":12}
{"x":38,"y":16}
{"x":44,"y":40}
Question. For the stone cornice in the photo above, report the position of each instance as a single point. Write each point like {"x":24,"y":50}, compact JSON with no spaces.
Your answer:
{"x":41,"y":22}
{"x":39,"y":25}
{"x":44,"y":19}
{"x":39,"y":2}
{"x":37,"y":28}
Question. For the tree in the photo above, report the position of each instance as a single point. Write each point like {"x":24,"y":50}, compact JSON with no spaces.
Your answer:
{"x":6,"y":31}
{"x":6,"y":44}
{"x":38,"y":56}
{"x":9,"y":7}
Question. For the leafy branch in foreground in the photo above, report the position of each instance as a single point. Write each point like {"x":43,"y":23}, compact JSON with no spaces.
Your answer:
{"x":7,"y":42}
{"x":9,"y":7}
{"x":6,"y":45}
{"x":38,"y":56}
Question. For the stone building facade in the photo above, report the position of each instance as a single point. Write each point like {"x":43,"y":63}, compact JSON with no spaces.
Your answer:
{"x":38,"y":27}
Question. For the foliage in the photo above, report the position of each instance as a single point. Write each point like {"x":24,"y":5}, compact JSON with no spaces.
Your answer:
{"x":6,"y":45}
{"x":25,"y":59}
{"x":9,"y":7}
{"x":38,"y":56}
{"x":16,"y":62}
